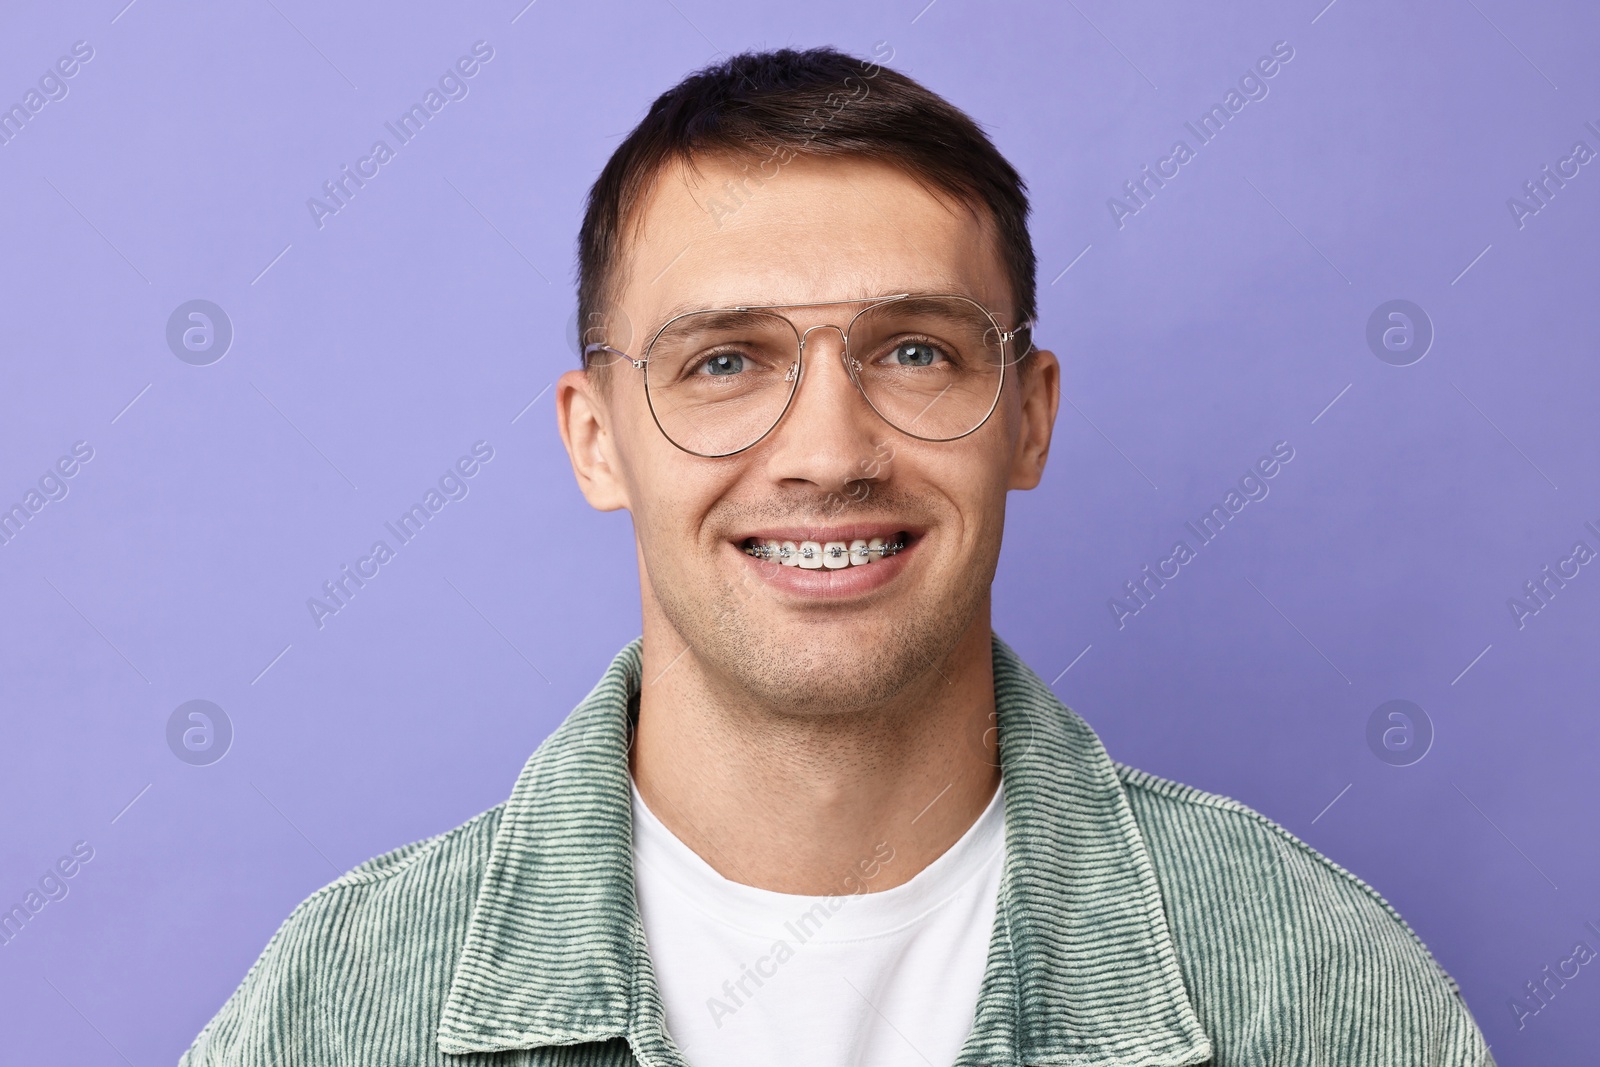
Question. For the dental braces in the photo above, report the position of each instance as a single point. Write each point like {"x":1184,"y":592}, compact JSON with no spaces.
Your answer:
{"x":783,"y":552}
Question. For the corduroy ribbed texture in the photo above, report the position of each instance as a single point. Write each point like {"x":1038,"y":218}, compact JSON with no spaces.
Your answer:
{"x":1141,"y":923}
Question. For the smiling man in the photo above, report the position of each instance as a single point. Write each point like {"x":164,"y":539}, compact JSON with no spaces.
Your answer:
{"x":819,"y":813}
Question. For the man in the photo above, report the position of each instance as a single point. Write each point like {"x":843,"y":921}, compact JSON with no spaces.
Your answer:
{"x":819,"y":813}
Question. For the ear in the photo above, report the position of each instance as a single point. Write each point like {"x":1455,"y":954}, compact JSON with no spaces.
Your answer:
{"x":583,"y":416}
{"x":1039,"y":381}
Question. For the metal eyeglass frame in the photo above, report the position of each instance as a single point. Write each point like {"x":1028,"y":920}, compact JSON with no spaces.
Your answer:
{"x":850,"y":364}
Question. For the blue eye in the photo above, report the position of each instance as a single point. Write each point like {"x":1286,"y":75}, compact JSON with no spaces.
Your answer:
{"x":915,"y":354}
{"x":724,"y":363}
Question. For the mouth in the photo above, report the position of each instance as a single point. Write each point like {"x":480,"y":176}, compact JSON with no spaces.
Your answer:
{"x":824,"y":565}
{"x":844,"y":551}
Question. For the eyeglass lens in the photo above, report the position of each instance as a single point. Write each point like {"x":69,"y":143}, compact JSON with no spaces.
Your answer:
{"x":931,"y":366}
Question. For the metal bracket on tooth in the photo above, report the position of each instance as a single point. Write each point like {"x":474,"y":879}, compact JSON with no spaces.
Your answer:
{"x":766,"y":552}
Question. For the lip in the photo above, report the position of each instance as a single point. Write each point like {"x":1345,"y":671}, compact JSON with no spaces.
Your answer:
{"x":864,"y":531}
{"x":845,"y":583}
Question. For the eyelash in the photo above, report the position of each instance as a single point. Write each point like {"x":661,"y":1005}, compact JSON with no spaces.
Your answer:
{"x":704,"y":361}
{"x":697,"y":369}
{"x":928,"y":341}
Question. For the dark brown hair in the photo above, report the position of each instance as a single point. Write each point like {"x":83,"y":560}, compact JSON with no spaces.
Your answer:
{"x":769,"y":107}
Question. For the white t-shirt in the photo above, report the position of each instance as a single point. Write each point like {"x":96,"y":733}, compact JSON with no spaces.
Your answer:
{"x":886,"y":979}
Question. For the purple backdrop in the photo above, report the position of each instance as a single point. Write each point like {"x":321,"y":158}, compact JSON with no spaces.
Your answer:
{"x":234,"y":455}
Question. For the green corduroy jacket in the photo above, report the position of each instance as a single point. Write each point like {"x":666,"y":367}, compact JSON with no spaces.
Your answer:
{"x":1141,"y":923}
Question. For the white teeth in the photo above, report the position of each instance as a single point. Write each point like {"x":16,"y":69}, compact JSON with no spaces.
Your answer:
{"x":815,"y":555}
{"x":811,"y":555}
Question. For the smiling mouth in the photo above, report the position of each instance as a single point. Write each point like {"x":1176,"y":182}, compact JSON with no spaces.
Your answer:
{"x":830,"y":555}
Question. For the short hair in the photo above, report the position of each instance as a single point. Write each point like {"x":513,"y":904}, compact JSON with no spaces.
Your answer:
{"x":820,"y":103}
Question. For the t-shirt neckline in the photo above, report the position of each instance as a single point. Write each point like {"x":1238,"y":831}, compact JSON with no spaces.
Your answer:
{"x":847,"y":916}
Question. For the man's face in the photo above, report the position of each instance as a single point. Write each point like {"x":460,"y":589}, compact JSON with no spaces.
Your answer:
{"x":797,"y":639}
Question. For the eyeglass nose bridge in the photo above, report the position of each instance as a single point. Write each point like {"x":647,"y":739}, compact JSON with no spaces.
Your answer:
{"x":850,"y":365}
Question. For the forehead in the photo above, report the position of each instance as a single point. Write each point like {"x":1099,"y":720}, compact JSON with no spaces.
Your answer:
{"x":727,"y":232}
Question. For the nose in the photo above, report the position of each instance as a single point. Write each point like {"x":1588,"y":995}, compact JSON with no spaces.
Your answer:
{"x":828,"y":436}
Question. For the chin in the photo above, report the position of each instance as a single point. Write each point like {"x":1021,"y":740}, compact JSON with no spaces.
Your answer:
{"x":818,"y":666}
{"x":833,"y":674}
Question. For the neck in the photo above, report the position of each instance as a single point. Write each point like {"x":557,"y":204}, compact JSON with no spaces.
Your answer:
{"x":812,"y":804}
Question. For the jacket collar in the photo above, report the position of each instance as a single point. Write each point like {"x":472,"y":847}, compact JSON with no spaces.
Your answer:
{"x":1081,"y":968}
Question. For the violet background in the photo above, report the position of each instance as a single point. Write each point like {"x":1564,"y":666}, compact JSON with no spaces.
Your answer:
{"x":430,"y":313}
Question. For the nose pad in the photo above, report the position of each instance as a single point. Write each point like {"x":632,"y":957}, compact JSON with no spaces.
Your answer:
{"x":851,"y":366}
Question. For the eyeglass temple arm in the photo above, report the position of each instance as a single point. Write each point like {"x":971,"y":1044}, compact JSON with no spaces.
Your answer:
{"x":1023,"y":327}
{"x":597,"y":346}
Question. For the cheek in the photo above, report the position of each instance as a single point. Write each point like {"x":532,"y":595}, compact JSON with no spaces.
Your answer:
{"x":643,"y":456}
{"x":986,"y":480}
{"x":987,"y":457}
{"x":1009,"y":413}
{"x":960,"y":486}
{"x":1014,"y":430}
{"x":669,"y":491}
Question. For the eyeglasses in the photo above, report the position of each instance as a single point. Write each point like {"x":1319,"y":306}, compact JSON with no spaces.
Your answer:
{"x":718,"y":381}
